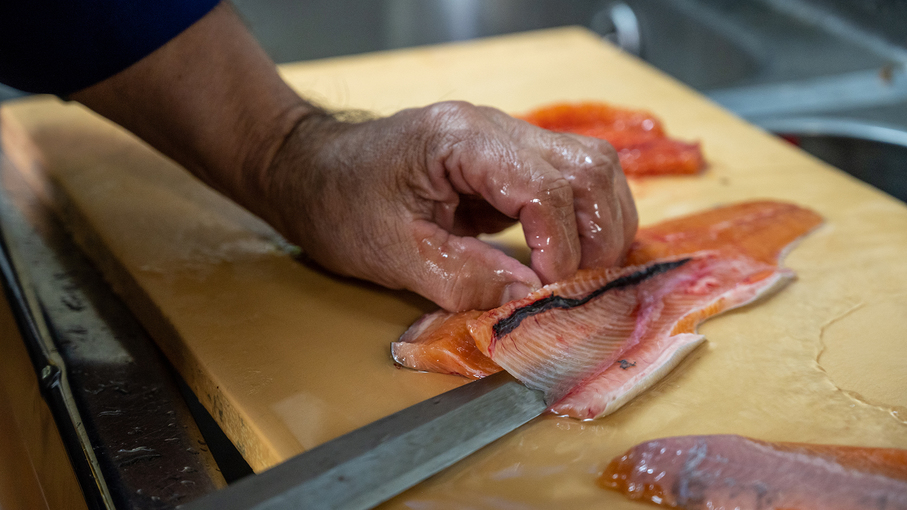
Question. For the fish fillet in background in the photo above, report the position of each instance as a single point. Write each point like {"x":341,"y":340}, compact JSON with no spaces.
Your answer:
{"x":727,"y":471}
{"x":643,"y":147}
{"x":598,"y":339}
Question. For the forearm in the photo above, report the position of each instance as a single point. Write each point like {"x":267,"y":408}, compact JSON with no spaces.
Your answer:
{"x":210,"y":99}
{"x":395,"y":200}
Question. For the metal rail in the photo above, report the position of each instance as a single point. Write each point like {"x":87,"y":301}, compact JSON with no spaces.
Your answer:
{"x":127,"y":431}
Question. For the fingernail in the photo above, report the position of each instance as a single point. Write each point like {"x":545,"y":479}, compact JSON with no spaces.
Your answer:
{"x":515,"y":291}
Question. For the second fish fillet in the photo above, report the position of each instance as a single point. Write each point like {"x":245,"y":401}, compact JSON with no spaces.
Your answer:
{"x":727,"y":471}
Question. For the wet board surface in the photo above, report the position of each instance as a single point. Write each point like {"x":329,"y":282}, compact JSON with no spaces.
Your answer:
{"x":287,"y":357}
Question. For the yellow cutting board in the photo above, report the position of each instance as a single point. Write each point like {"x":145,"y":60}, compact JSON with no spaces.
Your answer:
{"x":287,"y":357}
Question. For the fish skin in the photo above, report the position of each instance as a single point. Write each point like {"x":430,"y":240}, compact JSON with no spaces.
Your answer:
{"x":655,"y":320}
{"x":761,"y":231}
{"x":728,"y":471}
{"x":586,"y":339}
{"x":723,"y":283}
{"x":615,"y":386}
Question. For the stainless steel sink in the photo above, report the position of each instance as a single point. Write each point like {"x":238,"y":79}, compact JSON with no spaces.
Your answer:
{"x":683,"y":38}
{"x":705,"y":43}
{"x":873,"y":152}
{"x":759,"y":58}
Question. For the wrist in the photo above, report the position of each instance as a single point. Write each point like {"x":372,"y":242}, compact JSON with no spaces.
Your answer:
{"x":259,"y":149}
{"x":284,"y":172}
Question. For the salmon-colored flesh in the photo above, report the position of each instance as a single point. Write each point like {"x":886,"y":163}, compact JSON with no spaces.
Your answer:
{"x":639,"y":138}
{"x":762,"y":230}
{"x":661,"y":156}
{"x":440,"y":342}
{"x":727,"y":471}
{"x":592,"y":118}
{"x":750,"y":235}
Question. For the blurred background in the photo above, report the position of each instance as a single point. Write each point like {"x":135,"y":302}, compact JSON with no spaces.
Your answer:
{"x":827,"y":75}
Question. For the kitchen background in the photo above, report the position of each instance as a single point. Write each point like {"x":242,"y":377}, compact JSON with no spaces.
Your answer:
{"x":828,"y":75}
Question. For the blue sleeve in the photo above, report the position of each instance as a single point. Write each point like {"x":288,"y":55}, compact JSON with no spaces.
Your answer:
{"x":62,"y":46}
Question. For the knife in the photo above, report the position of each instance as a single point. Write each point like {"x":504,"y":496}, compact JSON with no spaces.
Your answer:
{"x":378,"y":461}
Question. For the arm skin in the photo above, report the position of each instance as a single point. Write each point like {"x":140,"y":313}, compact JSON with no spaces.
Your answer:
{"x":395,"y":200}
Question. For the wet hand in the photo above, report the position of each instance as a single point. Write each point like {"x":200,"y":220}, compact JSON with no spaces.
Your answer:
{"x":399,"y":201}
{"x":396,"y":201}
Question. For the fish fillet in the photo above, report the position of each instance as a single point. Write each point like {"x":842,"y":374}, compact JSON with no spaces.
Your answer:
{"x":638,"y":136}
{"x":556,"y":337}
{"x":593,"y":358}
{"x":727,"y":471}
{"x":429,"y":345}
{"x":711,"y":285}
{"x":763,"y":230}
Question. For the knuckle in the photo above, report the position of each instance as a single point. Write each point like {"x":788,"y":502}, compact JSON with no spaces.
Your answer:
{"x":555,"y":189}
{"x":450,"y":112}
{"x":608,"y":151}
{"x":586,"y":160}
{"x":589,"y":175}
{"x":603,"y":162}
{"x":450,"y":125}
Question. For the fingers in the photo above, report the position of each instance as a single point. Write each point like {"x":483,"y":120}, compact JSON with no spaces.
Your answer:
{"x":568,"y":192}
{"x":394,"y":214}
{"x":474,"y":216}
{"x":549,"y":225}
{"x":606,"y":218}
{"x":463,"y":273}
{"x":605,"y":212}
{"x":521,"y":184}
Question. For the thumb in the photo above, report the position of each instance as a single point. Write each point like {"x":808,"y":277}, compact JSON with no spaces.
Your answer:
{"x":464,"y":273}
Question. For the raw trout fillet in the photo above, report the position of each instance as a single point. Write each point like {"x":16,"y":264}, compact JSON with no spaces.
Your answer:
{"x":763,"y":230}
{"x":639,"y":138}
{"x":427,"y":346}
{"x":709,"y":285}
{"x":727,"y":471}
{"x":556,"y":337}
{"x":597,"y":340}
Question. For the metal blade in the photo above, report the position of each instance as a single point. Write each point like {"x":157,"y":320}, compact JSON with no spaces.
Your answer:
{"x":372,"y":464}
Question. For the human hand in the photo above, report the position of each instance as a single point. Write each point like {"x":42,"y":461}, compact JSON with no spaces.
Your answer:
{"x":398,"y":201}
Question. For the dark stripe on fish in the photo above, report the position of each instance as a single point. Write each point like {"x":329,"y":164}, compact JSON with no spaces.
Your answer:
{"x":511,"y":322}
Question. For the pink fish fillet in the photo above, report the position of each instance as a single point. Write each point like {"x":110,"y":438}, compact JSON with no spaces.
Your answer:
{"x":624,"y":332}
{"x":598,"y":339}
{"x":726,"y":471}
{"x":440,"y":342}
{"x":556,"y":337}
{"x":712,"y":284}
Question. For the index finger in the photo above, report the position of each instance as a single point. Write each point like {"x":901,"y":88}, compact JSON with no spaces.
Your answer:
{"x":522,"y":185}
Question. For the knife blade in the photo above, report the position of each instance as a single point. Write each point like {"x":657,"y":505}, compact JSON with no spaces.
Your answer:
{"x":374,"y":463}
